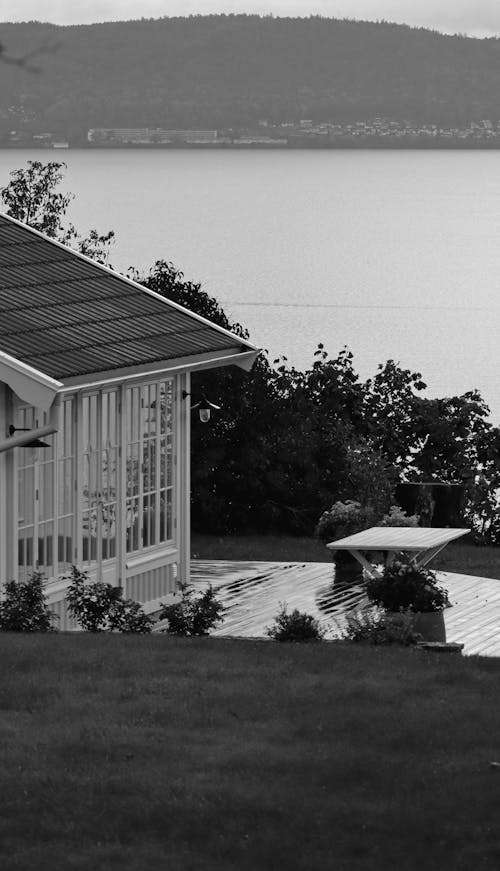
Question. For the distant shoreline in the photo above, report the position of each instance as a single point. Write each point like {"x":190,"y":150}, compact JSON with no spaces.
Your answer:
{"x":254,"y":146}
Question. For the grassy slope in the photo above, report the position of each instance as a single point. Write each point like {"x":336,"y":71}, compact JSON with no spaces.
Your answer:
{"x":460,"y":557}
{"x":128,"y":752}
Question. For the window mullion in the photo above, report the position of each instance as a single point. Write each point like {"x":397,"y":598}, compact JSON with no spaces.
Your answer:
{"x":78,"y":479}
{"x":158,"y":465}
{"x":141,"y":470}
{"x":99,"y":454}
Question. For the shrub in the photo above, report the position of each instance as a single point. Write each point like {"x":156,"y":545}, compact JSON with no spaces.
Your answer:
{"x":192,"y":615}
{"x":378,"y":629}
{"x":296,"y":626}
{"x":99,"y":607}
{"x":24,"y":608}
{"x":398,"y":517}
{"x":342,"y":519}
{"x":405,"y":587}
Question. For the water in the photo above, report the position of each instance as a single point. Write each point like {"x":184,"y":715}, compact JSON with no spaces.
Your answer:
{"x":395,"y":254}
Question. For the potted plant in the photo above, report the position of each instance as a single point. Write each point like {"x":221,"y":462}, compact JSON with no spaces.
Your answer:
{"x":404,"y":587}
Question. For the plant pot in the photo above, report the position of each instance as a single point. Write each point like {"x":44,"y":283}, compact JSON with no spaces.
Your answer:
{"x":430,"y":624}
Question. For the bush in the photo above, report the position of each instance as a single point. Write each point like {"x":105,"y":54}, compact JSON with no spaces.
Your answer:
{"x":24,"y":608}
{"x":398,"y":517}
{"x":405,"y":587}
{"x":99,"y":607}
{"x":343,"y":519}
{"x":377,"y":629}
{"x":296,"y":626}
{"x":192,"y":616}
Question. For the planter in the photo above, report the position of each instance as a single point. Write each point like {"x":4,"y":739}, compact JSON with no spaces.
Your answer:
{"x":430,"y":625}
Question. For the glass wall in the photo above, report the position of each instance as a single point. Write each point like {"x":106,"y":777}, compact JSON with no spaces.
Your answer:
{"x":149,"y":465}
{"x":69,"y":506}
{"x":46,"y":496}
{"x":100,"y":427}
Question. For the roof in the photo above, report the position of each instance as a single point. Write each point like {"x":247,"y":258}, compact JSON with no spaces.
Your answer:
{"x":65,"y":315}
{"x":398,"y":538}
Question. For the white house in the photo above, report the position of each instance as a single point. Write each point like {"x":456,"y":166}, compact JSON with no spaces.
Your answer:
{"x":97,"y":367}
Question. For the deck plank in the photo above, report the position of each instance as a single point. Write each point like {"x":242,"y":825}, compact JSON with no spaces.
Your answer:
{"x":253,"y":592}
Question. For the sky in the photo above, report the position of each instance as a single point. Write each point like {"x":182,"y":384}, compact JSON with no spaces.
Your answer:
{"x":480,"y":18}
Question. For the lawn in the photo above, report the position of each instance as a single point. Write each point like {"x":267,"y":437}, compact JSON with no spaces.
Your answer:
{"x":461,"y":557}
{"x":208,"y":754}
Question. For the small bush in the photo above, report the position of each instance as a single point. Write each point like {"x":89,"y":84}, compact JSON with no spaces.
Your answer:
{"x":192,"y":615}
{"x":398,"y":517}
{"x":404,"y":586}
{"x":296,"y":626}
{"x":99,"y":607}
{"x":24,"y":608}
{"x":343,"y":519}
{"x":379,"y":629}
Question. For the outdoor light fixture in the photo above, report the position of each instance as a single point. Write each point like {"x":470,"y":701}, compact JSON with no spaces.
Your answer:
{"x":204,"y":407}
{"x":35,"y":443}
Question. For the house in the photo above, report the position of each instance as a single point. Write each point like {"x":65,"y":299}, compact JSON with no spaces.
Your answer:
{"x":96,"y":368}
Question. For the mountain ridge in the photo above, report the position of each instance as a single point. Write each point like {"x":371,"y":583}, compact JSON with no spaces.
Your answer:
{"x":225,"y":71}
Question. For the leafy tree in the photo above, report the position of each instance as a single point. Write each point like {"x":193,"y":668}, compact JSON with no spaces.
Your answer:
{"x":33,"y":198}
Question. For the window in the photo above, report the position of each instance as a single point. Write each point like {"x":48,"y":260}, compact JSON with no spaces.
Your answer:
{"x":128,"y":493}
{"x":45,"y":523}
{"x":149,"y":465}
{"x":99,"y":475}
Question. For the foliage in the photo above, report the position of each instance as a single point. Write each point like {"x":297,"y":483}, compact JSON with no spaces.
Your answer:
{"x":24,"y":608}
{"x":405,"y":587}
{"x":32,"y":197}
{"x":347,"y":518}
{"x":99,"y":607}
{"x":397,"y":517}
{"x":378,"y":629}
{"x":343,"y":519}
{"x":296,"y":626}
{"x":164,"y":278}
{"x":193,"y":615}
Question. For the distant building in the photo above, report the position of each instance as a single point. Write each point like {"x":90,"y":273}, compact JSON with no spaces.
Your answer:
{"x":148,"y":136}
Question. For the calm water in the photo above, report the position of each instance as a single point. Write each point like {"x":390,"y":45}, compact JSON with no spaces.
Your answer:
{"x":395,"y":254}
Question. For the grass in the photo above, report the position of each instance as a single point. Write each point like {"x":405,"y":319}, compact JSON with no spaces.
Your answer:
{"x":461,"y":557}
{"x":209,"y":754}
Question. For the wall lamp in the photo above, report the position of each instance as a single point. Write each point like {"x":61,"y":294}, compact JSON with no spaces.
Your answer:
{"x":34,"y":443}
{"x":204,"y":407}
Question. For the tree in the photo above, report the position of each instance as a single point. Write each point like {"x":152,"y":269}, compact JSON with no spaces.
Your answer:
{"x":32,"y":196}
{"x":287,"y":443}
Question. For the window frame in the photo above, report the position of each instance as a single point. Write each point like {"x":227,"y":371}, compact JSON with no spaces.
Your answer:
{"x":75,"y":460}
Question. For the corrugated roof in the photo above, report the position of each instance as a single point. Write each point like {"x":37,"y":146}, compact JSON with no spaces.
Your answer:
{"x":67,"y":316}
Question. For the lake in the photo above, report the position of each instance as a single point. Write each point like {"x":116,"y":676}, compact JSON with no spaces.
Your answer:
{"x":395,"y":254}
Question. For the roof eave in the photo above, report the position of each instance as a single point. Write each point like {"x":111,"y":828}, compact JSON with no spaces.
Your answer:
{"x":196,"y":363}
{"x":29,"y":384}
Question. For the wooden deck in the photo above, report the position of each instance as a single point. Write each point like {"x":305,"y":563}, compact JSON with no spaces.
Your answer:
{"x":252,"y":593}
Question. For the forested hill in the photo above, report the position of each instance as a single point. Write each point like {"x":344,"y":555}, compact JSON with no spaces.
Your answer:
{"x":231,"y":70}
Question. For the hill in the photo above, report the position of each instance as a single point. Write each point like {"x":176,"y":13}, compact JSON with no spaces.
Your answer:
{"x":226,"y":71}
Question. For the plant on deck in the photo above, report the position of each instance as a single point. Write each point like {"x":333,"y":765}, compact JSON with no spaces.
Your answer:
{"x":404,"y":586}
{"x":376,"y":629}
{"x":296,"y":626}
{"x":192,"y":615}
